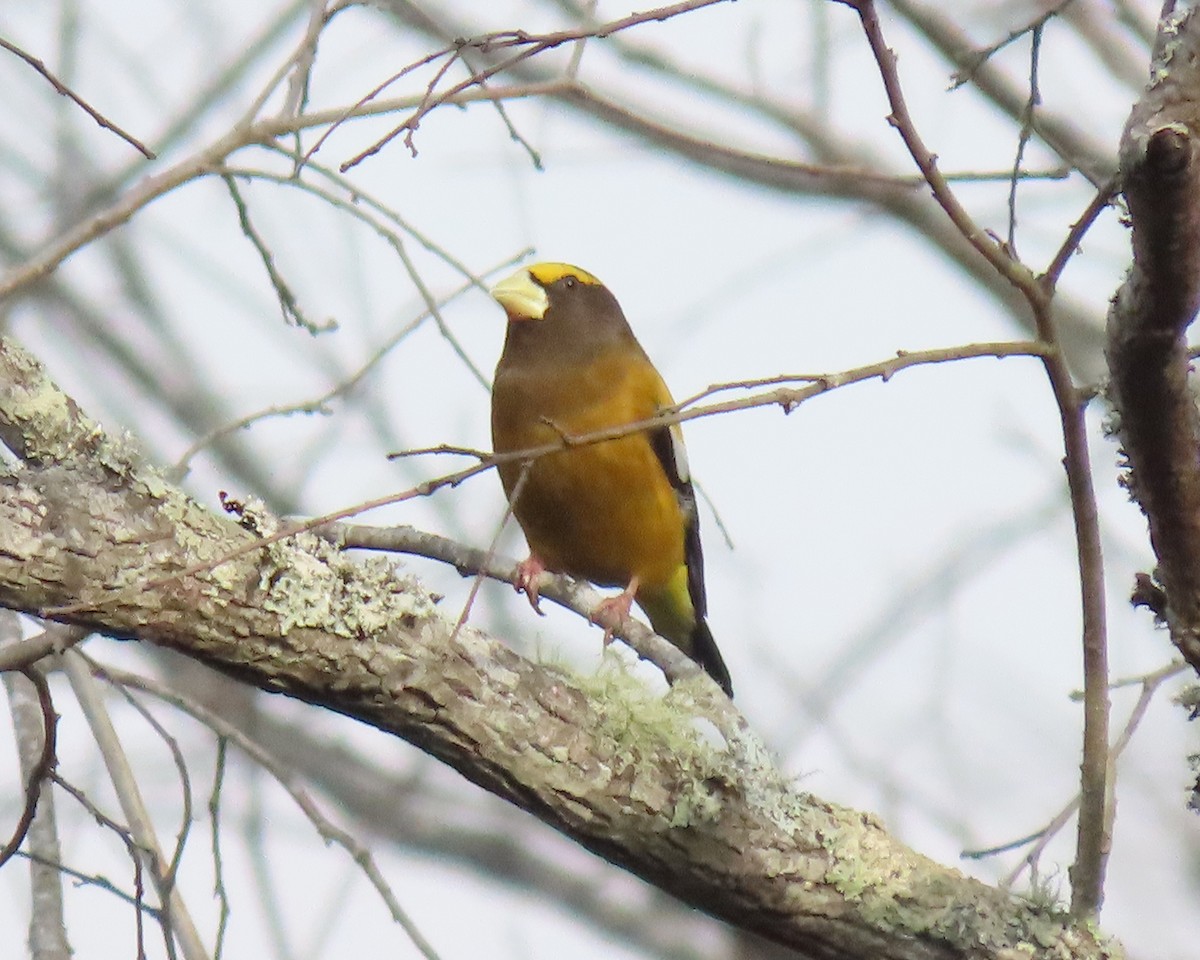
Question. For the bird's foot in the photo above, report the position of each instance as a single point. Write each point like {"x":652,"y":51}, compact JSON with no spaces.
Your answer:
{"x":528,"y":571}
{"x":612,"y":613}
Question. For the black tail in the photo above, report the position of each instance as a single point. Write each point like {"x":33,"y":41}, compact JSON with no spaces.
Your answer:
{"x":705,"y":653}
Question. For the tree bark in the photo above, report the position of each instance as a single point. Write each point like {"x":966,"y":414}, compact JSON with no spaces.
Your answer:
{"x":1147,"y":350}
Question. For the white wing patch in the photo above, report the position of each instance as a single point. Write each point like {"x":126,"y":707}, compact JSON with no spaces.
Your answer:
{"x":679,"y":454}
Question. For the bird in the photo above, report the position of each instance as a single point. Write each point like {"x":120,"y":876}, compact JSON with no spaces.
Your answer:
{"x":618,"y":513}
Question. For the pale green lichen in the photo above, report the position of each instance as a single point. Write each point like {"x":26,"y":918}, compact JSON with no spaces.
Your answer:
{"x":120,"y":454}
{"x":1045,"y":895}
{"x":1172,"y":40}
{"x":898,"y":891}
{"x":307,"y":582}
{"x":862,"y":857}
{"x":43,"y":410}
{"x":647,"y":729}
{"x":155,"y":485}
{"x":695,"y":806}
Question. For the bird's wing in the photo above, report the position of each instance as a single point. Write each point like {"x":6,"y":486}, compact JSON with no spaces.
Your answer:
{"x":667,"y":443}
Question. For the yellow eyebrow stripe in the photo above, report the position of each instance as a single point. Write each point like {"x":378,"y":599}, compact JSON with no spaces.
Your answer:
{"x":548,"y":273}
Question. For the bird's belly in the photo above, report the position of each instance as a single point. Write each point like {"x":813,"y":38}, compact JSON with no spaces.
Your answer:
{"x":605,"y":513}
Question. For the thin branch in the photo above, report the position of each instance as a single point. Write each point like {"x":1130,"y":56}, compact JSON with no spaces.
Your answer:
{"x":1041,"y":838}
{"x":185,"y":780}
{"x":141,"y":827}
{"x":1095,"y":819}
{"x":319,"y":405}
{"x":431,"y":305}
{"x":214,"y":818}
{"x":440,"y":450}
{"x":1070,"y":246}
{"x":369,"y":102}
{"x":28,"y":706}
{"x":138,"y":898}
{"x":995,"y":253}
{"x":303,"y":60}
{"x":975,"y":60}
{"x":292,"y":313}
{"x":25,"y":653}
{"x":490,"y":555}
{"x":786,"y":398}
{"x":227,"y":732}
{"x":353,"y":207}
{"x":95,"y":880}
{"x":587,"y":16}
{"x":1035,"y":98}
{"x":41,"y":769}
{"x":527,"y":45}
{"x":66,"y":91}
{"x":355,"y":196}
{"x":1061,"y":133}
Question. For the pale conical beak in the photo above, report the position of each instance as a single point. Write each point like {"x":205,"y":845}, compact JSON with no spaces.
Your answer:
{"x":521,"y":297}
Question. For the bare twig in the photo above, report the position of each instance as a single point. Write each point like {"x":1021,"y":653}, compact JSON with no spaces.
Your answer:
{"x":25,"y":653}
{"x":434,"y":310}
{"x":354,"y":197}
{"x":1061,"y":133}
{"x":588,"y":18}
{"x":93,"y":880}
{"x":1035,"y":98}
{"x":787,"y":398}
{"x":43,"y":766}
{"x":30,"y":721}
{"x":287,"y":299}
{"x":1094,"y":839}
{"x":1041,"y":838}
{"x":490,"y":555}
{"x":978,"y":58}
{"x":214,"y":817}
{"x":66,"y":91}
{"x":1103,"y":197}
{"x":125,"y":784}
{"x":185,"y":780}
{"x":527,"y":45}
{"x":331,"y":833}
{"x":352,"y":205}
{"x":303,"y":60}
{"x":441,"y":449}
{"x":138,"y":898}
{"x":319,"y":405}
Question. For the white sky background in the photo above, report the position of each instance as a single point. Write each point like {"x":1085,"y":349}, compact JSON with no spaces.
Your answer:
{"x":900,"y":611}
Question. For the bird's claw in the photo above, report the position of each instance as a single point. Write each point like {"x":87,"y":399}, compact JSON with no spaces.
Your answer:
{"x":525,"y":581}
{"x":612,"y":613}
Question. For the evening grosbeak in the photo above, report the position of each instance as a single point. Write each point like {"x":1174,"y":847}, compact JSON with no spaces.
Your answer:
{"x":619,"y":513}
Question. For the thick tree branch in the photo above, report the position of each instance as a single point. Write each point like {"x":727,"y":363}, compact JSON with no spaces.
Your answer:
{"x":1147,"y":351}
{"x":706,"y":817}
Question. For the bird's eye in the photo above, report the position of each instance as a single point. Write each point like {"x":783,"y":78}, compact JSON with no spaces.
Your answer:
{"x":569,"y":282}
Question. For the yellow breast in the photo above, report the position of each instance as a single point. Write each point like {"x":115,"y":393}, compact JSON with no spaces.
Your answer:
{"x":605,"y":512}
